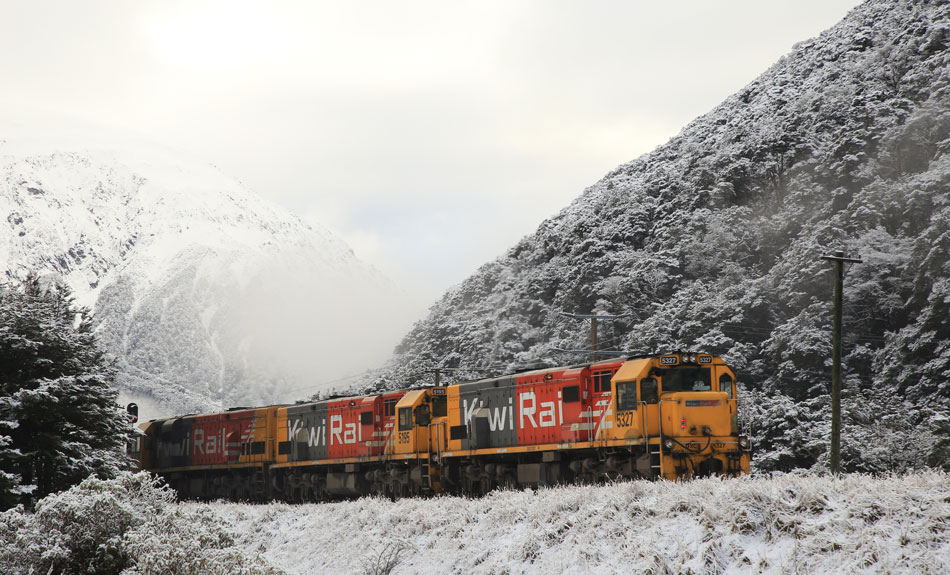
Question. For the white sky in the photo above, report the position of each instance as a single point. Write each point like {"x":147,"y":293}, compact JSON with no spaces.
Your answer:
{"x":430,"y":135}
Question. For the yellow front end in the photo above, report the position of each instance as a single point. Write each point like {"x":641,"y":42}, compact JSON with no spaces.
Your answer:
{"x":681,"y":409}
{"x":412,"y":430}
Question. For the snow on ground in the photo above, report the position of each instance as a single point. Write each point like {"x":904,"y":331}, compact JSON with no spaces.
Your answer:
{"x":785,"y":524}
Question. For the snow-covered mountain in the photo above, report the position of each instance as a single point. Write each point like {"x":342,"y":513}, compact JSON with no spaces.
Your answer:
{"x":207,"y":294}
{"x":713,"y":242}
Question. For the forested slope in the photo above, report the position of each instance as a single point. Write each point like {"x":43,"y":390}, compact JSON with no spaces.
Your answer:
{"x":713,"y":242}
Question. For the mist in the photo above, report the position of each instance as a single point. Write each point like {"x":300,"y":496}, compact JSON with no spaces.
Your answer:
{"x":299,"y":330}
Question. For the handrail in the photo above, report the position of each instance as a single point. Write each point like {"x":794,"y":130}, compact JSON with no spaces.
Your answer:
{"x":441,"y":427}
{"x":659,"y":410}
{"x":601,"y":433}
{"x":590,"y":420}
{"x":645,"y":430}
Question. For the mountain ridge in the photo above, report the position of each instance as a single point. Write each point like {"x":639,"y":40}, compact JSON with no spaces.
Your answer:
{"x":195,"y":281}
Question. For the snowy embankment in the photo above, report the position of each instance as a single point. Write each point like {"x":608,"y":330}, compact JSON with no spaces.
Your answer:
{"x":787,"y":524}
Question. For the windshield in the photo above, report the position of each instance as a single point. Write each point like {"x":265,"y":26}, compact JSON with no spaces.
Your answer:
{"x":686,"y":379}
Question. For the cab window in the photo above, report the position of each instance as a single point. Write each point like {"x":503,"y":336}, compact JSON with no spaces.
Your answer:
{"x":439,"y":406}
{"x":389,"y":407}
{"x":649,"y":392}
{"x":725,"y":384}
{"x":602,"y":381}
{"x":626,"y":395}
{"x":686,"y":379}
{"x":405,"y":418}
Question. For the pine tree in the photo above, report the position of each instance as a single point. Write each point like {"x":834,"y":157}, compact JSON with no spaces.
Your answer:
{"x":59,"y":421}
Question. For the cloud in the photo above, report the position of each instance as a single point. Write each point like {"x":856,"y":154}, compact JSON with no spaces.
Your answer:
{"x":435,"y":134}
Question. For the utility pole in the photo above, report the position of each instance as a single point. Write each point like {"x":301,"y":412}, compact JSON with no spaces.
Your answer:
{"x":593,"y":327}
{"x":839,"y":259}
{"x":437,"y":373}
{"x":593,"y":337}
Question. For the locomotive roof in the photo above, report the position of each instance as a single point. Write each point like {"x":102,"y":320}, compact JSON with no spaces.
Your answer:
{"x":547,"y":369}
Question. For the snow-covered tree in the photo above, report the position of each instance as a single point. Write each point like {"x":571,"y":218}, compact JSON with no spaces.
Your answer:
{"x":59,"y":421}
{"x":129,"y":524}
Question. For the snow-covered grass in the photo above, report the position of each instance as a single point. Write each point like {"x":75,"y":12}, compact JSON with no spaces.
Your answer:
{"x":784,"y":524}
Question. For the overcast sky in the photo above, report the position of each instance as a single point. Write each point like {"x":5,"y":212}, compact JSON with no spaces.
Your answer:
{"x":430,"y":135}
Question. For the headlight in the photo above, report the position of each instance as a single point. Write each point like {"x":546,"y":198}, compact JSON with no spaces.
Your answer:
{"x":743,"y":442}
{"x":692,"y":358}
{"x":669,"y":444}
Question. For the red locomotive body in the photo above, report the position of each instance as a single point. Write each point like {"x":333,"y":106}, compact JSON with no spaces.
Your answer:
{"x":344,"y":429}
{"x":549,"y":407}
{"x":219,"y":437}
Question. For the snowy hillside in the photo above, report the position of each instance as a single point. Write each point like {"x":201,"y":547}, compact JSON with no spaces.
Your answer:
{"x":712,"y":242}
{"x":790,"y":524}
{"x":208,"y":295}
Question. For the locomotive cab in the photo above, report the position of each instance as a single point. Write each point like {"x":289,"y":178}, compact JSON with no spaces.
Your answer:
{"x":421,"y":417}
{"x":420,"y":421}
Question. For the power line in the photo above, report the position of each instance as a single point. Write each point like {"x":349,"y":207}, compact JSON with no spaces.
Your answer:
{"x":593,"y":326}
{"x":325,"y":383}
{"x":592,"y":352}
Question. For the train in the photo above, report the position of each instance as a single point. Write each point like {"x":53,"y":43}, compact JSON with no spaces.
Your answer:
{"x":672,"y":416}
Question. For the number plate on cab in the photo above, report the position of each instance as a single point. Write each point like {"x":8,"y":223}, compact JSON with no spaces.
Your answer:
{"x":669,"y":360}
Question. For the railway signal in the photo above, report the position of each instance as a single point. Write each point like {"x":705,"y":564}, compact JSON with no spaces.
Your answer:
{"x":133,"y":410}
